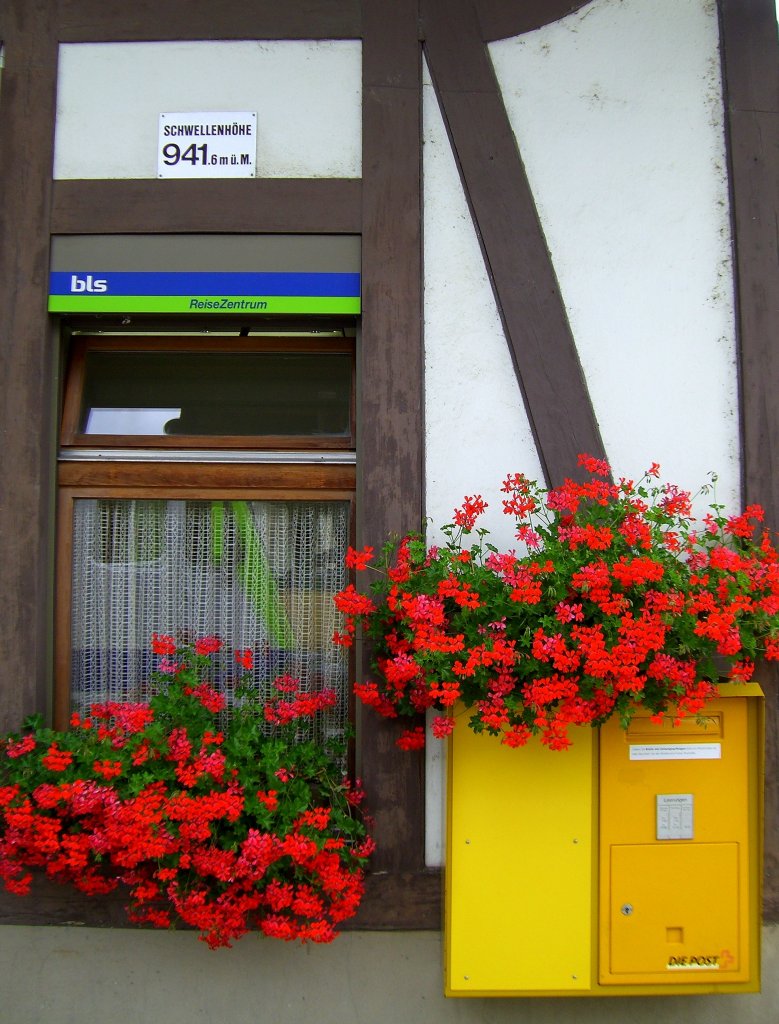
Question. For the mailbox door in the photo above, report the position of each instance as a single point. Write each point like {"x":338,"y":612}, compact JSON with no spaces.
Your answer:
{"x":674,"y":912}
{"x":679,"y":849}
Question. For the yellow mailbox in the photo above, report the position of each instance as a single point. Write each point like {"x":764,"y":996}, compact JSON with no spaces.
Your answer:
{"x":629,"y":864}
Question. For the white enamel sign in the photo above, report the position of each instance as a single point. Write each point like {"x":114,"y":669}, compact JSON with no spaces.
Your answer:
{"x":220,"y":144}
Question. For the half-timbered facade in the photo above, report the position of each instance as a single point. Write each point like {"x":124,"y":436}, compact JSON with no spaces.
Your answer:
{"x":564,"y":214}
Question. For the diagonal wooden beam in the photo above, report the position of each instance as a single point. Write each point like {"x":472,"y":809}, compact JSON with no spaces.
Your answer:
{"x":512,"y":240}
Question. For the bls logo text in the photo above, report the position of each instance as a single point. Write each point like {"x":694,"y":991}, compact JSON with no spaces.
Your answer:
{"x":88,"y":284}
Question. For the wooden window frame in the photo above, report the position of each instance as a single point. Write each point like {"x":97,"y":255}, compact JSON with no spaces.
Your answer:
{"x":217,"y":476}
{"x":261,"y":483}
{"x":72,"y":437}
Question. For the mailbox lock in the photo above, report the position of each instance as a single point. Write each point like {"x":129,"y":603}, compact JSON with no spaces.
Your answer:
{"x":626,"y":909}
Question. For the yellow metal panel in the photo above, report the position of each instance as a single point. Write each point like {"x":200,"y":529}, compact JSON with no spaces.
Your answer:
{"x":519,"y":866}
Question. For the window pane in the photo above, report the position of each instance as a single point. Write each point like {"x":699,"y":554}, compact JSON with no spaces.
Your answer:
{"x":217,"y":394}
{"x":257,"y":574}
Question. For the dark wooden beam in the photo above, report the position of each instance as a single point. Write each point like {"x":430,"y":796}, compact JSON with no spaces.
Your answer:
{"x":498,"y":19}
{"x":409,"y":901}
{"x":52,"y":904}
{"x":390,"y":442}
{"x":750,"y":63}
{"x":118,"y":21}
{"x":512,"y":240}
{"x":27,"y":357}
{"x":256,"y":205}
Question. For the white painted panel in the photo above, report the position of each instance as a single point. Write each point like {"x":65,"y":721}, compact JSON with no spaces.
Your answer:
{"x":476,"y":428}
{"x":618,"y":114}
{"x":307,"y":95}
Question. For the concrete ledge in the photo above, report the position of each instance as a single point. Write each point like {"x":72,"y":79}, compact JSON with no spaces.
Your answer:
{"x":79,"y":975}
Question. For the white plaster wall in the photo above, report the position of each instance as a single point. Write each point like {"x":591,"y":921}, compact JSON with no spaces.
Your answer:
{"x":307,"y":95}
{"x":617,"y":110}
{"x":618,"y":115}
{"x":476,"y":427}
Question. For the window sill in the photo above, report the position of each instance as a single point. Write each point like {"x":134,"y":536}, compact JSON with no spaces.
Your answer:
{"x":404,"y":902}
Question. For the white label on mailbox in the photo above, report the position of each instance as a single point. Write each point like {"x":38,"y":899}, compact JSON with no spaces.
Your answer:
{"x":675,"y":751}
{"x":674,"y":816}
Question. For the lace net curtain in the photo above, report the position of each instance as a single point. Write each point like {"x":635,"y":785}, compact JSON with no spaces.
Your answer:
{"x":257,"y":574}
